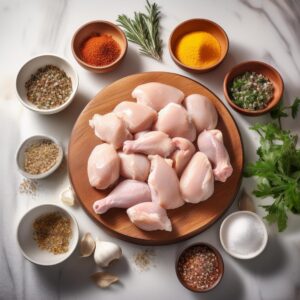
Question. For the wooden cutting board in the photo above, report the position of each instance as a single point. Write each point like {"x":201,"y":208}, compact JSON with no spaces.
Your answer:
{"x":187,"y":220}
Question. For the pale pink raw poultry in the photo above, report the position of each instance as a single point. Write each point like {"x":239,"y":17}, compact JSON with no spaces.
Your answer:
{"x":139,"y":134}
{"x":157,"y":95}
{"x":183,"y":153}
{"x":202,"y":112}
{"x":150,"y":143}
{"x":149,"y":216}
{"x":164,"y":183}
{"x":110,"y":129}
{"x":103,"y":166}
{"x":126,"y":194}
{"x":210,"y":142}
{"x":138,"y":117}
{"x":197,"y":179}
{"x":134,"y":166}
{"x":174,"y":120}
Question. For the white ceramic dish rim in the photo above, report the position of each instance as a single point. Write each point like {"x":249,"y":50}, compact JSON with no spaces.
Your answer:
{"x":51,"y":170}
{"x":250,"y":255}
{"x":71,"y":251}
{"x":55,"y":109}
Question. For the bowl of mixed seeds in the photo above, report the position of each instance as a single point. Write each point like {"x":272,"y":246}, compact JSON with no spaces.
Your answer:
{"x":253,"y":88}
{"x":47,"y":234}
{"x":39,"y":156}
{"x":46,"y":84}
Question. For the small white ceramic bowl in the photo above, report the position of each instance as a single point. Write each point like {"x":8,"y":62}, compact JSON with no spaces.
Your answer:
{"x":31,"y":67}
{"x":27,"y":143}
{"x":28,"y":245}
{"x":228,"y":234}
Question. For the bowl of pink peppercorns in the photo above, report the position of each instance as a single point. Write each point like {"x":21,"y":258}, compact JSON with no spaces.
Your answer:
{"x":200,"y":267}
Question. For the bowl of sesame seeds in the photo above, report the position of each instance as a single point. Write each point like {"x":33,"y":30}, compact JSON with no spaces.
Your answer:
{"x":39,"y":156}
{"x":200,"y":267}
{"x":46,"y":84}
{"x":47,"y":234}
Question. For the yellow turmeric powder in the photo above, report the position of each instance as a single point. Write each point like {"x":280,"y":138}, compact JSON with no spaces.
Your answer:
{"x":198,"y":49}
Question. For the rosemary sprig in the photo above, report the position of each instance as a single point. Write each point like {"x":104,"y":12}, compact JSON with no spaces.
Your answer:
{"x":143,"y":30}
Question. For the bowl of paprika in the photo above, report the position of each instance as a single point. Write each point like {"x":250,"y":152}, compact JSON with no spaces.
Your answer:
{"x":99,"y":46}
{"x":198,"y":45}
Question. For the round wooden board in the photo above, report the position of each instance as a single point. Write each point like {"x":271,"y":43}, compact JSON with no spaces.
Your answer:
{"x":187,"y":220}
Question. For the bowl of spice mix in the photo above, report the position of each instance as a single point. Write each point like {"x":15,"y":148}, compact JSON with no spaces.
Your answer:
{"x":200,"y":267}
{"x":39,"y":156}
{"x":253,"y":88}
{"x":47,"y":234}
{"x":99,"y":46}
{"x":46,"y":84}
{"x":198,"y":45}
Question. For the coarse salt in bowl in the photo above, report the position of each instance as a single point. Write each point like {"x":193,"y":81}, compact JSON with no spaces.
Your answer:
{"x":31,"y":67}
{"x":243,"y":235}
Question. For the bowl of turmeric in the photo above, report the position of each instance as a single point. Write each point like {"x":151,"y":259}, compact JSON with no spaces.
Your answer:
{"x":99,"y":46}
{"x":198,"y":45}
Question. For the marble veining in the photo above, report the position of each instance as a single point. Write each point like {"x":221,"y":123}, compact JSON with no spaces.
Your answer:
{"x":258,"y":29}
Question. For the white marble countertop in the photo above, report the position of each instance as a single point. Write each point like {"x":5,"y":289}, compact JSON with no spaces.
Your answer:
{"x":257,"y":29}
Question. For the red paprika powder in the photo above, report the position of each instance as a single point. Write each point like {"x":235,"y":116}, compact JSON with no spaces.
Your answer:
{"x":100,"y":50}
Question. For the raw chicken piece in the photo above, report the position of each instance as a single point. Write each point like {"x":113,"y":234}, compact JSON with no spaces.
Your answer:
{"x":202,"y":112}
{"x":210,"y":142}
{"x":126,"y":194}
{"x":153,"y":142}
{"x":164,"y":183}
{"x":149,"y":216}
{"x":174,"y":120}
{"x":103,"y":166}
{"x":183,"y":153}
{"x":197,"y":180}
{"x":134,"y":166}
{"x":139,"y":134}
{"x":110,"y":129}
{"x":157,"y":95}
{"x":138,"y":117}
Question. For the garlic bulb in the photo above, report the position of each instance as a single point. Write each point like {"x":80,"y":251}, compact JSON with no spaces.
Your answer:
{"x":106,"y":252}
{"x":68,"y":197}
{"x":87,"y":245}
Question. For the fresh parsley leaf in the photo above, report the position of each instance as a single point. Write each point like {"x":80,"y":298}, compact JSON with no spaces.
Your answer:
{"x":295,"y":107}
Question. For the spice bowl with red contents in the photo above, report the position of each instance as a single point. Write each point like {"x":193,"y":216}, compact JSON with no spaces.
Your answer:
{"x":99,"y":46}
{"x":199,"y":267}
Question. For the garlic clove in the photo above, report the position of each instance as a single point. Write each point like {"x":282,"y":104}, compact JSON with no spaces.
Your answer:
{"x":246,"y":202}
{"x":87,"y":245}
{"x":68,"y":197}
{"x":106,"y":252}
{"x":103,"y":279}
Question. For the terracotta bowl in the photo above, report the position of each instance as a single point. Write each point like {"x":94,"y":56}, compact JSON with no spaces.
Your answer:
{"x":198,"y":25}
{"x":96,"y":28}
{"x":220,"y":263}
{"x":258,"y":67}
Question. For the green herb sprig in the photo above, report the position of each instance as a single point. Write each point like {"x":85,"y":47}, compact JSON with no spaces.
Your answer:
{"x":278,"y":167}
{"x":143,"y":30}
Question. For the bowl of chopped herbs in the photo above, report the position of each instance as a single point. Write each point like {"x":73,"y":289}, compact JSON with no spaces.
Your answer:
{"x":46,"y":84}
{"x":253,"y":88}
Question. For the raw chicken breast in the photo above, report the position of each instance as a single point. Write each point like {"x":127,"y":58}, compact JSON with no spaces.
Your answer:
{"x":134,"y":166}
{"x":138,"y":117}
{"x":183,"y":153}
{"x":126,"y":194}
{"x":202,"y":112}
{"x":150,"y":143}
{"x":164,"y":183}
{"x":139,"y":134}
{"x":149,"y":216}
{"x":174,"y":120}
{"x":103,"y":166}
{"x":210,"y":142}
{"x":157,"y":95}
{"x":197,"y":180}
{"x":110,"y":129}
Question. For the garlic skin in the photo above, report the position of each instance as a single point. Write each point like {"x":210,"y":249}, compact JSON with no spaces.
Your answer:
{"x":67,"y":197}
{"x":103,"y":279}
{"x":106,"y":252}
